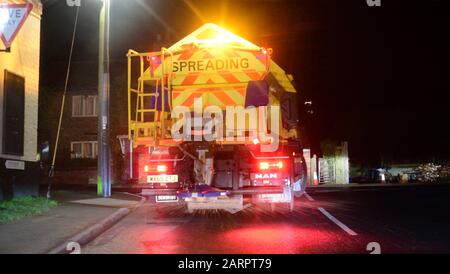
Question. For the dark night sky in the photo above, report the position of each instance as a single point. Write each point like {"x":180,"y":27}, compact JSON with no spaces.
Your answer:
{"x":378,"y":77}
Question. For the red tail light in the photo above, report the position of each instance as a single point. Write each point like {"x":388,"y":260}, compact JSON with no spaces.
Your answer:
{"x":264,"y":165}
{"x":280,"y":165}
{"x":161,"y":168}
{"x":271,"y":165}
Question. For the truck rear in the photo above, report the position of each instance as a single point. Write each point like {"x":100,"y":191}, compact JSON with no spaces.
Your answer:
{"x":212,"y":117}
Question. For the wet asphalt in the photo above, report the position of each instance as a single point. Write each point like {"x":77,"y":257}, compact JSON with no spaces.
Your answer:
{"x":381,"y":219}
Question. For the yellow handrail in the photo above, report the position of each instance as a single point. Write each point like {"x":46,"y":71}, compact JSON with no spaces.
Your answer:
{"x":140,"y":128}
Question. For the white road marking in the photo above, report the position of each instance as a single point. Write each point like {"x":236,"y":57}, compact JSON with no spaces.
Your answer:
{"x":309,"y":197}
{"x":337,"y":222}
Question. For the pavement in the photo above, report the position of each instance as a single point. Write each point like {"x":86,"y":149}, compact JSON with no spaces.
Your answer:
{"x":76,"y":212}
{"x":374,"y":219}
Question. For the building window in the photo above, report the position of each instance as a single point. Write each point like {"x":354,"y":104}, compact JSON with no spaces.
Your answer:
{"x":13,"y":114}
{"x":84,"y":150}
{"x":90,"y":105}
{"x":84,"y":106}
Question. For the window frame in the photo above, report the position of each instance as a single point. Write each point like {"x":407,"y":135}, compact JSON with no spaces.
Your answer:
{"x":94,"y":151}
{"x":84,"y":102}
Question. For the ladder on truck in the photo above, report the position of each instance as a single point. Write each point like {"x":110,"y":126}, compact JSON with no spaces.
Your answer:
{"x":149,"y":124}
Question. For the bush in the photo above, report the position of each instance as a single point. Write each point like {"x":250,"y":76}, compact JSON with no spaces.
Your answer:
{"x":20,"y":208}
{"x":428,"y":172}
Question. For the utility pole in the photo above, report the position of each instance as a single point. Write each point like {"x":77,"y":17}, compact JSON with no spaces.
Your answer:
{"x":103,"y":164}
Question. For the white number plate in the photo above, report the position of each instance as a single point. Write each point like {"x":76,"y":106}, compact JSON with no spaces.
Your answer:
{"x":162,"y":178}
{"x":272,"y":197}
{"x":166,"y":198}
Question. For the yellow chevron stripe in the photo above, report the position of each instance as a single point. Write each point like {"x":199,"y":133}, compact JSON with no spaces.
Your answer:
{"x":236,"y":96}
{"x":178,"y":100}
{"x":210,"y":97}
{"x":213,"y":101}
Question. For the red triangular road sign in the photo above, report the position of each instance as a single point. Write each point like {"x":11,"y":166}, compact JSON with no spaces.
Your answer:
{"x":12,"y":18}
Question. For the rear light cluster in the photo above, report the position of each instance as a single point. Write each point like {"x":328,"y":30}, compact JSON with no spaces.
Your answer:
{"x":160,"y":168}
{"x":271,"y":165}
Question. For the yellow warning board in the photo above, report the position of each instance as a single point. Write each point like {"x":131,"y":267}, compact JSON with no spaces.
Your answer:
{"x":211,"y":55}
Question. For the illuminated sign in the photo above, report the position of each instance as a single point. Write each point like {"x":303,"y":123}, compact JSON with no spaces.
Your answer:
{"x":211,"y":65}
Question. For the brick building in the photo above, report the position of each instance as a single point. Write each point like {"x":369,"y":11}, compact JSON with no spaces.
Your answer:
{"x":78,"y":149}
{"x":76,"y":161}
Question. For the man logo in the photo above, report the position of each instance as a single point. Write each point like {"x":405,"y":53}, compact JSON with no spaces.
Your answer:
{"x":73,"y":3}
{"x":374,"y":3}
{"x":266,"y":176}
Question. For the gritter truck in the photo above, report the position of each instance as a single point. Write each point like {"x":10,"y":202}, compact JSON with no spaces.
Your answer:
{"x":213,"y":119}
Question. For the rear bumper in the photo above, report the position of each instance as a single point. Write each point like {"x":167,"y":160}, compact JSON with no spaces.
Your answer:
{"x":146,"y":191}
{"x":157,"y":192}
{"x":162,"y":186}
{"x":258,"y":190}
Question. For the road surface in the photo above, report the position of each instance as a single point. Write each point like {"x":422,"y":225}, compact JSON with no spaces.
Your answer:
{"x":382,"y":219}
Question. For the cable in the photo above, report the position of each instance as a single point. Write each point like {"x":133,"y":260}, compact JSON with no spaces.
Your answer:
{"x":51,"y":172}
